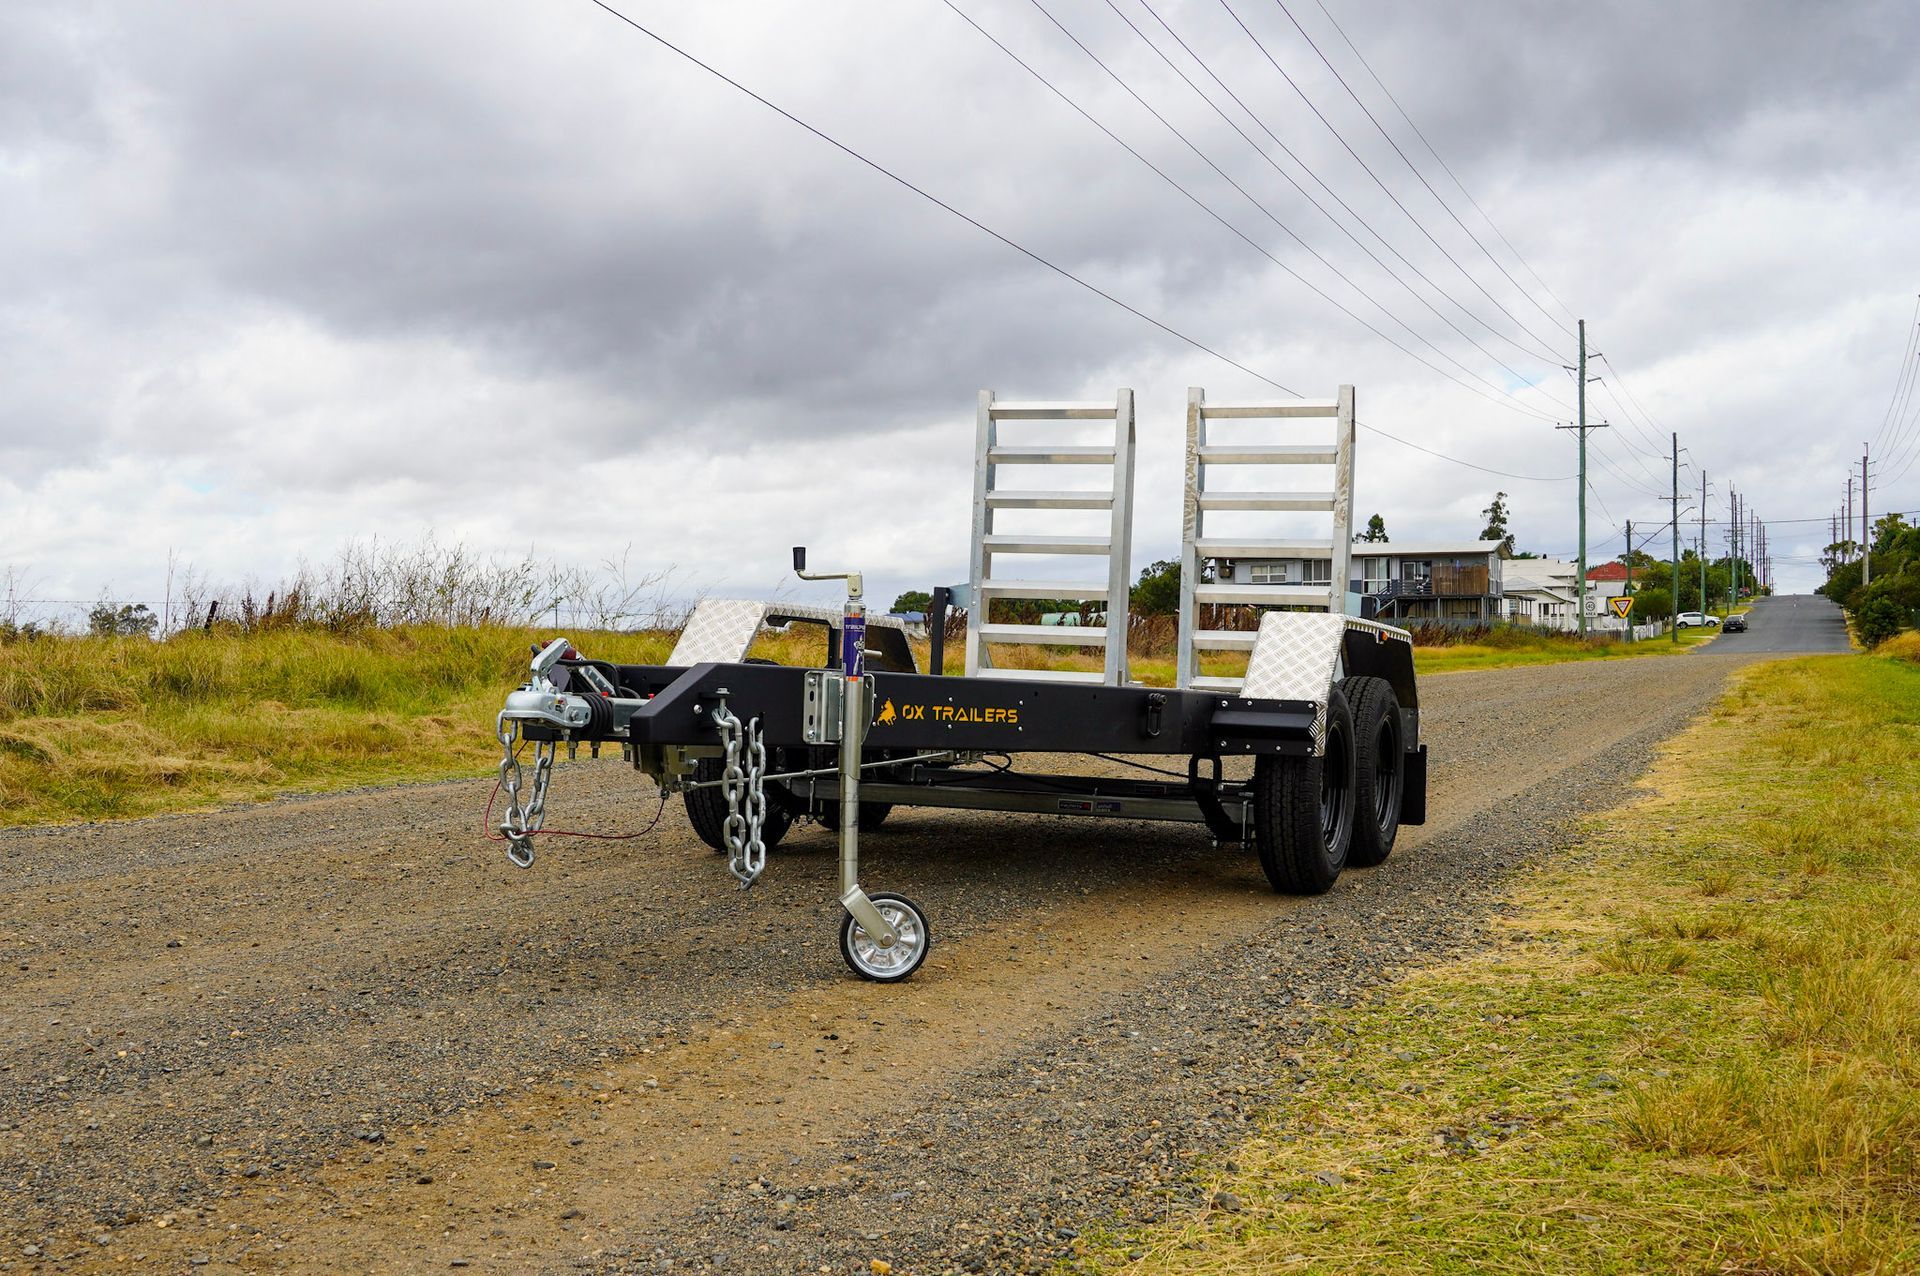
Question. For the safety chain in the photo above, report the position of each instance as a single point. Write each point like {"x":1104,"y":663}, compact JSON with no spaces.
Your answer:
{"x":521,"y":822}
{"x":743,"y":781}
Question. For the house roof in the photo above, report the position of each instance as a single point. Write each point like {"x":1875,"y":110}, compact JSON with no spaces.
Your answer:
{"x":1608,"y":571}
{"x":1423,"y":549}
{"x":1529,"y":585}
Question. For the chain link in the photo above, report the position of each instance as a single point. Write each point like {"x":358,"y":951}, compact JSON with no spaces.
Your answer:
{"x":743,"y":781}
{"x":521,"y":821}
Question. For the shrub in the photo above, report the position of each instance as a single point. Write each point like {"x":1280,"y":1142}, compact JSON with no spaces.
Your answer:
{"x":1652,"y":604}
{"x":1878,"y":620}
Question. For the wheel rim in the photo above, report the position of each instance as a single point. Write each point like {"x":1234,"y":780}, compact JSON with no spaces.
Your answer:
{"x":884,"y":963}
{"x":1386,"y":773}
{"x":1336,"y":794}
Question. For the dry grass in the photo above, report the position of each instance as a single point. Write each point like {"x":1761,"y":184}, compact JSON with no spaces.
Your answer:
{"x":1706,"y":1060}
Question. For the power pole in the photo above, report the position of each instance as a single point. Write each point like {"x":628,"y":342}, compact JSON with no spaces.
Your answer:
{"x":1629,"y":577}
{"x":1675,"y":577}
{"x":1702,"y":551}
{"x":1866,"y":528}
{"x":1733,"y":546}
{"x":1849,"y":506}
{"x":1580,"y":381}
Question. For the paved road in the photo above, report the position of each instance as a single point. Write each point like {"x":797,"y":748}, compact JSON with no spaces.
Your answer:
{"x":1788,"y":623}
{"x":341,"y":1033}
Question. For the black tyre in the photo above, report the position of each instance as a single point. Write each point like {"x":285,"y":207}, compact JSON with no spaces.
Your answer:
{"x":886,"y":965}
{"x":1379,"y":769}
{"x":707,"y":810}
{"x":1303,"y":809}
{"x":872,"y":815}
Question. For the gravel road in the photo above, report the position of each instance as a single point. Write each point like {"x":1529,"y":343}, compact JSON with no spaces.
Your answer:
{"x":341,"y":1033}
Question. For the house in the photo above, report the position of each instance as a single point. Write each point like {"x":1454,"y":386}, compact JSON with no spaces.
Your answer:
{"x":1545,"y":592}
{"x":1542,"y":591}
{"x":1605,"y":582}
{"x":1447,"y":581}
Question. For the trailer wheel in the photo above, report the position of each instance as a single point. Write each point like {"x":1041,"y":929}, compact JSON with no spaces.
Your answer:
{"x":885,"y":965}
{"x":1379,"y":769}
{"x":872,"y":815}
{"x":707,"y":811}
{"x":1303,"y":809}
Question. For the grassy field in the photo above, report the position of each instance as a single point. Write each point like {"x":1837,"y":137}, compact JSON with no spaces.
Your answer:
{"x":1695,"y":1047}
{"x":106,"y":728}
{"x":109,"y":728}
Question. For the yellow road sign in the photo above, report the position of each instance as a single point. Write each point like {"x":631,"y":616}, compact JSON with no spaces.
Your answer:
{"x":1621,"y":605}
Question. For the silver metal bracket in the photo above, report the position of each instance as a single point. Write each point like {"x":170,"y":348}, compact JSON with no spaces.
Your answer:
{"x":821,"y":706}
{"x":862,"y":910}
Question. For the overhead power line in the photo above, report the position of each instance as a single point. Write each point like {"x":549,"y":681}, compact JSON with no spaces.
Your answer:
{"x":1419,"y":225}
{"x":1414,"y":169}
{"x":1306,"y":168}
{"x":1445,"y":167}
{"x":1029,"y":253}
{"x":1902,"y":383}
{"x":1057,"y":91}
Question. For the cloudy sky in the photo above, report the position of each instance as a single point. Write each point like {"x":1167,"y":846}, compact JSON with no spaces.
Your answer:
{"x":276,"y":276}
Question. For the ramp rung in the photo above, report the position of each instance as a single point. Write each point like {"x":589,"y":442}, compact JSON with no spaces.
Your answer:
{"x":1045,"y":675}
{"x":1267,"y":454}
{"x":1224,"y":639}
{"x":1057,"y":635}
{"x":1073,"y":454}
{"x":1041,"y":543}
{"x":1270,"y":411}
{"x":1314,"y":501}
{"x":1017,"y":500}
{"x":1013,"y":410}
{"x":1228,"y":547}
{"x":1228,"y":593}
{"x":1212,"y":682}
{"x":1085,"y":589}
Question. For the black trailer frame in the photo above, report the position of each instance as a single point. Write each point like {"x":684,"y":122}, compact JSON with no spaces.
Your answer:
{"x":931,"y":740}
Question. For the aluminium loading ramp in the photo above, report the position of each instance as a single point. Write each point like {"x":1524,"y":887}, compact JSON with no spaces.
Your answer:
{"x":993,"y":452}
{"x":1284,"y":448}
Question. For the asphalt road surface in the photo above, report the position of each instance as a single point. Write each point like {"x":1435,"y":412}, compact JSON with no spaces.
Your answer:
{"x":1785,"y":624}
{"x":340,"y":1033}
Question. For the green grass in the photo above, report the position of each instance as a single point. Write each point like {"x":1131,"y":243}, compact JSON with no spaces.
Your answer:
{"x":112,"y":728}
{"x":1520,"y":648}
{"x":1695,"y":1049}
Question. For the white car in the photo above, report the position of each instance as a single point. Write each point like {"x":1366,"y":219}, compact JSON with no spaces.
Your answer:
{"x":1689,"y":619}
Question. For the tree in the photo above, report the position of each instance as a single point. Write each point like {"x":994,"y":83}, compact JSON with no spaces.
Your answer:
{"x":1158,"y":590}
{"x":1496,"y":528}
{"x":1376,"y":532}
{"x":913,"y":600}
{"x":1651,"y":604}
{"x":130,"y":620}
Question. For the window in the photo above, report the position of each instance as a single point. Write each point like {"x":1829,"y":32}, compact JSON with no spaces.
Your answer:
{"x":1318,"y":571}
{"x":1269,"y":573}
{"x":1374,"y":574}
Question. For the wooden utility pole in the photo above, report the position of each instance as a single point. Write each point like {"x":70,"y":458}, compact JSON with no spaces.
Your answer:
{"x":1629,"y":615}
{"x":1702,"y":551}
{"x":1866,"y":528}
{"x":1733,"y":546}
{"x":1675,"y":524}
{"x":1581,"y":427}
{"x":1849,"y":506}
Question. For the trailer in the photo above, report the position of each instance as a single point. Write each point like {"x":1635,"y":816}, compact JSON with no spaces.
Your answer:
{"x":1327,"y":708}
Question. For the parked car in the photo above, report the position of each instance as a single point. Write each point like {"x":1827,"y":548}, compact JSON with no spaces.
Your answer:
{"x":1694,"y":619}
{"x":1734,"y":625}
